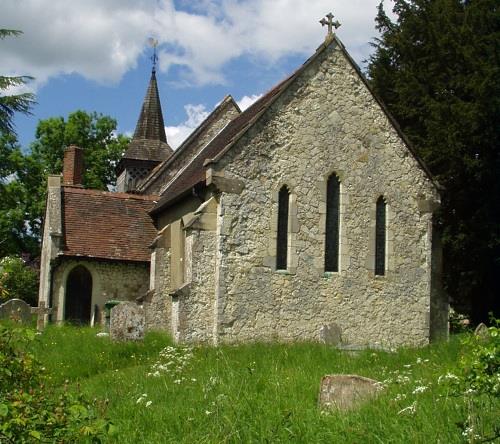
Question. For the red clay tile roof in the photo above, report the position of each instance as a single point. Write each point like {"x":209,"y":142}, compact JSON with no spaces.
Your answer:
{"x":107,"y":225}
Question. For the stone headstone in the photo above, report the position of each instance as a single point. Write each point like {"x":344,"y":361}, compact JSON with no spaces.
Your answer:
{"x":330,"y":334}
{"x":344,"y":392}
{"x":127,"y":322}
{"x":16,"y":310}
{"x":482,"y":331}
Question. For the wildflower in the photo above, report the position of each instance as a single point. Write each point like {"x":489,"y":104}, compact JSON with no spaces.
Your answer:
{"x":420,"y":389}
{"x":149,"y":403}
{"x":208,"y":412}
{"x":411,"y":409}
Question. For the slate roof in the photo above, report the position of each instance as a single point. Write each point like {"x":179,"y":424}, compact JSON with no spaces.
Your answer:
{"x":107,"y":225}
{"x":149,"y":141}
{"x":194,"y":173}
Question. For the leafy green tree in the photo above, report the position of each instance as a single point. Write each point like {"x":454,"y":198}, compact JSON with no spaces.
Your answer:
{"x":18,"y":280}
{"x":12,"y":103}
{"x":437,"y":68}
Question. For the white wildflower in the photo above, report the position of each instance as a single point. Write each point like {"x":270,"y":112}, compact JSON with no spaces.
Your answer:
{"x":149,"y":403}
{"x":411,"y":409}
{"x":420,"y":389}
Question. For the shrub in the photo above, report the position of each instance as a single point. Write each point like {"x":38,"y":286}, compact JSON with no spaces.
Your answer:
{"x":29,"y":410}
{"x":18,"y":280}
{"x":479,"y":384}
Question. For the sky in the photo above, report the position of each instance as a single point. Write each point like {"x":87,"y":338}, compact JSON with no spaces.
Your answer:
{"x":94,"y":55}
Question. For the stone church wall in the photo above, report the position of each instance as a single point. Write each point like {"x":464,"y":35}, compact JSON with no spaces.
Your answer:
{"x":117,"y":281}
{"x":327,"y":122}
{"x":196,"y":301}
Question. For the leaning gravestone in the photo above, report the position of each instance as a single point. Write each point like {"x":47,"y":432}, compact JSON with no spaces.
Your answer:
{"x":16,"y":310}
{"x":127,"y":322}
{"x":344,"y":392}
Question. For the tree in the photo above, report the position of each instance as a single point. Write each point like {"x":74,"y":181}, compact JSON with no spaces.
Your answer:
{"x":437,"y":69}
{"x":9,"y":104}
{"x":93,"y":132}
{"x":18,"y":280}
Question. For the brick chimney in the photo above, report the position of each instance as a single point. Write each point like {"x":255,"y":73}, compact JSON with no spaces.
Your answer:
{"x":73,"y":166}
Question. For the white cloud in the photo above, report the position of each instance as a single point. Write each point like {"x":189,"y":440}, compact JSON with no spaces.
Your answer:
{"x":101,"y":40}
{"x":246,"y":101}
{"x":177,"y":134}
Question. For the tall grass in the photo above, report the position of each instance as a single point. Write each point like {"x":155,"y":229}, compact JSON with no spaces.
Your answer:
{"x":263,"y":393}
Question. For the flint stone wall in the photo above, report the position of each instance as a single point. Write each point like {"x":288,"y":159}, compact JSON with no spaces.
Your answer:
{"x":196,"y":303}
{"x":158,"y":304}
{"x":118,"y":281}
{"x":326,"y":122}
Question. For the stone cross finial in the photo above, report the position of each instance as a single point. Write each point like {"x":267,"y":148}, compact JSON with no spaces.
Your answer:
{"x":328,"y":21}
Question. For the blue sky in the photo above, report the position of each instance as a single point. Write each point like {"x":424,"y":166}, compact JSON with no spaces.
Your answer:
{"x":94,"y":54}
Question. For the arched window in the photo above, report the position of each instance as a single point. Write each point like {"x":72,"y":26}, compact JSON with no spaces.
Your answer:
{"x":332,"y":229}
{"x":282,"y":237}
{"x":380,"y":236}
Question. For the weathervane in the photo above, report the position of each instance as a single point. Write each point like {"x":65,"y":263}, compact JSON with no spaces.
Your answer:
{"x":154,"y":58}
{"x":328,"y":21}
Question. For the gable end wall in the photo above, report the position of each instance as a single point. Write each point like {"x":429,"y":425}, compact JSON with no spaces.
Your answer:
{"x":327,"y":121}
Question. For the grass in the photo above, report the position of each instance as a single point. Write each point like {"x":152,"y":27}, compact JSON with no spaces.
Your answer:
{"x":258,"y":393}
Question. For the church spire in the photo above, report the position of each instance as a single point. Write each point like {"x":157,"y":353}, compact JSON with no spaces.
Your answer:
{"x":150,"y":124}
{"x":149,"y":145}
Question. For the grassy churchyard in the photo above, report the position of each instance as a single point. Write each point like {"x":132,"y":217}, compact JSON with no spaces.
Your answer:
{"x":154,"y":392}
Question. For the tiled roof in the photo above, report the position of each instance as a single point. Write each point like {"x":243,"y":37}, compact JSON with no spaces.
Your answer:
{"x":107,"y":225}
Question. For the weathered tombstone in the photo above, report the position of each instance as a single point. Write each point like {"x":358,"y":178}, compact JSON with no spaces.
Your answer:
{"x":344,"y":392}
{"x":41,"y":311}
{"x":330,"y":334}
{"x":127,"y":322}
{"x":482,"y":331}
{"x":16,"y":310}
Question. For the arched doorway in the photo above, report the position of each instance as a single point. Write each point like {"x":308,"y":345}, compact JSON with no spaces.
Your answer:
{"x":78,"y":299}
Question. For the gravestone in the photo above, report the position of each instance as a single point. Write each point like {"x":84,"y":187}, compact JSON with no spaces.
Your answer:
{"x":127,"y":322}
{"x":330,"y":334}
{"x":344,"y":392}
{"x":16,"y":310}
{"x":482,"y":331}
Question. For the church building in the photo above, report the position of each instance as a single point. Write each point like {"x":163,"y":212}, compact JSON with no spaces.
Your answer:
{"x":307,"y":217}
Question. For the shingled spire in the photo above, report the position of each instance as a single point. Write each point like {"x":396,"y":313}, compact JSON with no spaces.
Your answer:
{"x":149,"y":145}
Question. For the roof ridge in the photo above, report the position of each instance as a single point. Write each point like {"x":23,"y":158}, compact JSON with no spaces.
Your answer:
{"x":164,"y":164}
{"x":75,"y":190}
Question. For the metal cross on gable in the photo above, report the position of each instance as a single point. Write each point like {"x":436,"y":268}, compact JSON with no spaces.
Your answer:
{"x":328,"y":21}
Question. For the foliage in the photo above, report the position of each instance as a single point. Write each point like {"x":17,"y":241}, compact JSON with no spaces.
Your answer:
{"x":12,"y":103}
{"x":30,"y":411}
{"x":14,"y":232}
{"x":477,"y":383}
{"x":437,"y":68}
{"x":18,"y":280}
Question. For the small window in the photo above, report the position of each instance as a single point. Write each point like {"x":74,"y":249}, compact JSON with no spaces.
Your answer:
{"x":380,"y":236}
{"x":332,"y":228}
{"x":282,"y":237}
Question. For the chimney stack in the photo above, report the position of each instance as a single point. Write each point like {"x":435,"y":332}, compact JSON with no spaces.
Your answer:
{"x":73,"y":166}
